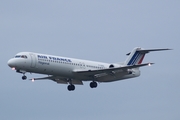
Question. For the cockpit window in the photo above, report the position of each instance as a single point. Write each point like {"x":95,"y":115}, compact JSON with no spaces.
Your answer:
{"x":20,"y":56}
{"x":17,"y":56}
{"x":23,"y":56}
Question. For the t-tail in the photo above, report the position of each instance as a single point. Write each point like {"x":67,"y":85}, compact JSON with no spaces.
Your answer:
{"x":137,"y":55}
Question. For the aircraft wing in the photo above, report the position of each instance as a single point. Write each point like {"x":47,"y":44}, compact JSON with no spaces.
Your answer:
{"x":59,"y":80}
{"x":111,"y":70}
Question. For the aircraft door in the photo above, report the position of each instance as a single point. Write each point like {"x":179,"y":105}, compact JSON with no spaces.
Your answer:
{"x":33,"y":60}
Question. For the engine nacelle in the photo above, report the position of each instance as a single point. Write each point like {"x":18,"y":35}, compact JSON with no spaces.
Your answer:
{"x":111,"y":66}
{"x":130,"y":71}
{"x":114,"y":65}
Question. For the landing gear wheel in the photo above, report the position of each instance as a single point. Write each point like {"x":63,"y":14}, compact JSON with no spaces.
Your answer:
{"x":93,"y":84}
{"x":71,"y":87}
{"x":24,"y":77}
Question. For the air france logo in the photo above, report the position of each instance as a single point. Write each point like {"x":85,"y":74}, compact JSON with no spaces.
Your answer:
{"x":53,"y":58}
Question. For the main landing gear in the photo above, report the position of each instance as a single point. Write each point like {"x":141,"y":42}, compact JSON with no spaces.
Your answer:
{"x":71,"y":87}
{"x":93,"y":84}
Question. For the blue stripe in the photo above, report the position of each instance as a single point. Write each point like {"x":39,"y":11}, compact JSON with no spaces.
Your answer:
{"x":136,"y":59}
{"x":134,"y":56}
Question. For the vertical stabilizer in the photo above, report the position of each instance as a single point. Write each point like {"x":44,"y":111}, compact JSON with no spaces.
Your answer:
{"x":135,"y":57}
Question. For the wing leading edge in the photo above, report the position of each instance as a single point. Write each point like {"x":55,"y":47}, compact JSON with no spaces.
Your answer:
{"x":60,"y":80}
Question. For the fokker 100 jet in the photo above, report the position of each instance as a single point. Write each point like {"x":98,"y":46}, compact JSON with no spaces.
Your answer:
{"x":74,"y":71}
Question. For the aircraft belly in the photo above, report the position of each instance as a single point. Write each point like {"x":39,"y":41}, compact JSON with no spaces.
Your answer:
{"x":60,"y":71}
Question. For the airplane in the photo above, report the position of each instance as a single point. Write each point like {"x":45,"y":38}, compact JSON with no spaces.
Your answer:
{"x":64,"y":70}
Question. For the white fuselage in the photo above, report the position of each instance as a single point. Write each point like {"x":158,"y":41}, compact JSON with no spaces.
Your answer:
{"x":72,"y":71}
{"x":65,"y":67}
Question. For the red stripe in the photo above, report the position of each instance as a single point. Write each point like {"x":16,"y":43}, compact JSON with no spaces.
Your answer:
{"x":141,"y":59}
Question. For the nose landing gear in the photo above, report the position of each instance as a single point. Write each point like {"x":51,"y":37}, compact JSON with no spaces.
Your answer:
{"x":24,"y":77}
{"x":23,"y":72}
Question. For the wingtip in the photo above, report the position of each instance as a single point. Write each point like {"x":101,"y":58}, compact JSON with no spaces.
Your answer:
{"x":150,"y":64}
{"x":167,"y":49}
{"x":32,"y":79}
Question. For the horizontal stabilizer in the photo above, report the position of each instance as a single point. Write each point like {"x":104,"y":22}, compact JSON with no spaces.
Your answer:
{"x":151,"y":50}
{"x":148,"y":50}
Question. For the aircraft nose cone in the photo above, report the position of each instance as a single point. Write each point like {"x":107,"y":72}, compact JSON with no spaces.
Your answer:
{"x":11,"y":63}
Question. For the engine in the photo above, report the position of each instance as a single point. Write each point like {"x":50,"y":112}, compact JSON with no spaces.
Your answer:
{"x":111,"y":66}
{"x":130,"y":71}
{"x":114,"y":65}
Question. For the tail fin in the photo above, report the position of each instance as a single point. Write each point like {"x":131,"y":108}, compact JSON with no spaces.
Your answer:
{"x":137,"y":55}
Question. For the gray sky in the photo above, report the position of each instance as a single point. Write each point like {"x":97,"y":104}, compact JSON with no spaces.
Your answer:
{"x":95,"y":30}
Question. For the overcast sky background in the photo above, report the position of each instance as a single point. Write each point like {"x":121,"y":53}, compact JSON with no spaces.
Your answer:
{"x":102,"y":31}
